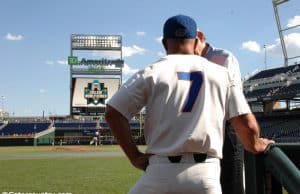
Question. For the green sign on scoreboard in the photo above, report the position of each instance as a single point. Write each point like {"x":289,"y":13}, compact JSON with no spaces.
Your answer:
{"x":72,"y":60}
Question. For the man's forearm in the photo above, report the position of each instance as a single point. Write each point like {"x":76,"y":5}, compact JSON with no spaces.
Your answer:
{"x":120,"y":128}
{"x":248,"y":131}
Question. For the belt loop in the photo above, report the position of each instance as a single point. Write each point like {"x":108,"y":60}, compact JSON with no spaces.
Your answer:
{"x":174,"y":159}
{"x":200,"y":157}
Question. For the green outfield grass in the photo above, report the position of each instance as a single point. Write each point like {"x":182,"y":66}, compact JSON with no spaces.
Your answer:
{"x":66,"y":169}
{"x":25,"y":169}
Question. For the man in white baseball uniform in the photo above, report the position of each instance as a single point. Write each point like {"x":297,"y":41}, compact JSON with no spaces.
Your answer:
{"x":233,"y":151}
{"x":188,"y":100}
{"x":95,"y":139}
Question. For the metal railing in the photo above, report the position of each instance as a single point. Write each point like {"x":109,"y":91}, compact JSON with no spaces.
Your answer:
{"x":273,"y":164}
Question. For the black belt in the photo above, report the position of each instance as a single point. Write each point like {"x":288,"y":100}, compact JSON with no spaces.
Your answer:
{"x":198,"y":158}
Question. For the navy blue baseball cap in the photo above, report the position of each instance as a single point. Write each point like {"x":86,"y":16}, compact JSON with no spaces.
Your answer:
{"x":180,"y":27}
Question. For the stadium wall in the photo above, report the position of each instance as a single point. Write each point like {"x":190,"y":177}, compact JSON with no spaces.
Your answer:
{"x":16,"y":141}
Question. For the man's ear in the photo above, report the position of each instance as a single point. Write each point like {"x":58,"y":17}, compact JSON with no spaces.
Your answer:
{"x":196,"y":43}
{"x":164,"y":42}
{"x":201,"y":36}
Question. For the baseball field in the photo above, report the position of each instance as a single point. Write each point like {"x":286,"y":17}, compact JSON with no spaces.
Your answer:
{"x":66,"y":169}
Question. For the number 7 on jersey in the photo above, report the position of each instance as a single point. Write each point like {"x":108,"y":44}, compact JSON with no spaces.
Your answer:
{"x":196,"y":79}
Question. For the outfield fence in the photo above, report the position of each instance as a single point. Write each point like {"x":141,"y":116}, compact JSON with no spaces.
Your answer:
{"x":52,"y":139}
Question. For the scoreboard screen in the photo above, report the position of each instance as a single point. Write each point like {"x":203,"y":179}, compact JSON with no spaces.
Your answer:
{"x":89,"y":95}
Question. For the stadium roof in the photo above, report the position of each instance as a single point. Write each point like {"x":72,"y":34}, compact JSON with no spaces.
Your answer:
{"x":272,"y":72}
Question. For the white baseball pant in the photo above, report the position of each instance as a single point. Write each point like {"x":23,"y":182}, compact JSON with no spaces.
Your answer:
{"x":185,"y":177}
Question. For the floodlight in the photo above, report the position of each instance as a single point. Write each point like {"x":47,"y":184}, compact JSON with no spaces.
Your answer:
{"x":96,"y":42}
{"x":277,"y":2}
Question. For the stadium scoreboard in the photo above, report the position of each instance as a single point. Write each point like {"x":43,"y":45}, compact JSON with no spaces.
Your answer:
{"x":89,"y":95}
{"x":94,"y":81}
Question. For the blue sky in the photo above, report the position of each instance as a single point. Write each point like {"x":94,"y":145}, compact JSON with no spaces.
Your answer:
{"x":35,"y":40}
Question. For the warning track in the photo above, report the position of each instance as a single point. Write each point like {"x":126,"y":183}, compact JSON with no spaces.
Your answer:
{"x":19,"y":153}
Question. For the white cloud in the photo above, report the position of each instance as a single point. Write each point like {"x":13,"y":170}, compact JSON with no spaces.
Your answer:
{"x":128,"y":71}
{"x":50,"y":62}
{"x":292,"y":44}
{"x":159,"y":39}
{"x":42,"y":91}
{"x":161,"y":54}
{"x":62,"y":62}
{"x":252,"y":46}
{"x":57,"y":62}
{"x":10,"y":36}
{"x":294,"y":21}
{"x":140,"y":33}
{"x":129,"y":51}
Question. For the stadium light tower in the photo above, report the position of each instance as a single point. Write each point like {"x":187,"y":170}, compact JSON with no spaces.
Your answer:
{"x":279,"y":1}
{"x":2,"y":101}
{"x":275,"y":4}
{"x":265,"y":60}
{"x":280,"y":30}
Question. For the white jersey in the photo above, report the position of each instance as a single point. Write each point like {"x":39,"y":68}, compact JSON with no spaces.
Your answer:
{"x":188,"y":100}
{"x":226,"y":59}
